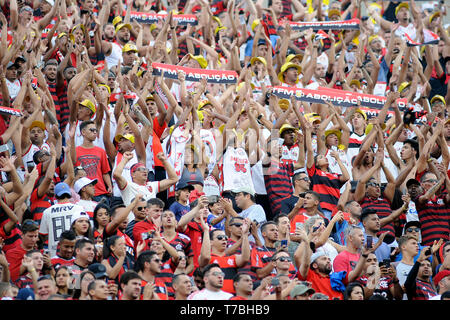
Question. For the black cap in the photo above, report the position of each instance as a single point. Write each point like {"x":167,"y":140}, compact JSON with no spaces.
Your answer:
{"x":411,"y":182}
{"x":98,"y":269}
{"x":262,"y":42}
{"x":412,"y":223}
{"x":182,"y":184}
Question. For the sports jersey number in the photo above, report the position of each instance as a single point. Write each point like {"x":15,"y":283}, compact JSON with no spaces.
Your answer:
{"x":240,"y":167}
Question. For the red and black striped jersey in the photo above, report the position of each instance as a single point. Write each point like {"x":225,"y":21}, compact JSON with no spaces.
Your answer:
{"x":62,"y":110}
{"x":383,"y":208}
{"x":327,"y":185}
{"x":424,"y":290}
{"x":38,"y":205}
{"x":229,"y":267}
{"x":126,"y":266}
{"x":182,"y":242}
{"x":277,"y":180}
{"x":247,"y":269}
{"x":261,"y":256}
{"x":434,"y":216}
{"x":160,"y":289}
{"x":166,"y":276}
{"x":57,"y":262}
{"x":13,"y":238}
{"x":24,"y":281}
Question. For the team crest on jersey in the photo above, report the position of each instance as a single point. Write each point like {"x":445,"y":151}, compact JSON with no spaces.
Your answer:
{"x":215,"y":261}
{"x":179,"y":247}
{"x":150,"y":189}
{"x":230,"y":262}
{"x":166,"y":266}
{"x":440,"y":201}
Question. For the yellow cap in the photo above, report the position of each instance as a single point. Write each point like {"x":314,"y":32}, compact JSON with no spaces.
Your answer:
{"x":200,"y":59}
{"x":403,"y":85}
{"x":38,"y":124}
{"x":334,"y":12}
{"x":338,"y":133}
{"x":71,"y":37}
{"x":127,"y":136}
{"x":313,"y":117}
{"x":285,"y":127}
{"x":77,"y":26}
{"x":129,"y":47}
{"x":106,"y":86}
{"x":284,"y":104}
{"x":202,"y":104}
{"x":123,"y":25}
{"x":255,"y":23}
{"x":401,"y":5}
{"x":356,"y":82}
{"x":89,"y":104}
{"x":362,"y":113}
{"x":438,"y":97}
{"x":150,"y":97}
{"x":153,"y":26}
{"x":117,"y":20}
{"x":290,"y":57}
{"x":434,"y":15}
{"x":219,"y":28}
{"x":373,"y":37}
{"x":287,"y":66}
{"x":260,"y":59}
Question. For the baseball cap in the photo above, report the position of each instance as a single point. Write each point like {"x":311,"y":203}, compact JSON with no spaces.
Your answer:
{"x":200,"y":59}
{"x":441,"y":275}
{"x":135,"y":166}
{"x":78,"y":215}
{"x":12,"y":64}
{"x":98,"y":269}
{"x":38,"y":124}
{"x":83,"y":182}
{"x":127,"y":136}
{"x":301,"y":289}
{"x":129,"y":47}
{"x":411,"y":182}
{"x":285,"y":127}
{"x":62,"y":188}
{"x":246,"y":189}
{"x":89,"y":104}
{"x":260,"y":59}
{"x":25,"y":294}
{"x":123,"y":25}
{"x":401,"y":5}
{"x":316,"y":255}
{"x":412,"y":223}
{"x":182,"y":184}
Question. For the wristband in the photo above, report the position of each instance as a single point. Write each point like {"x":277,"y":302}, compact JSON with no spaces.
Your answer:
{"x":312,"y":245}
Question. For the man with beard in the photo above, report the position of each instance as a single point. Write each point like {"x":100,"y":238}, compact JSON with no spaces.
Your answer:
{"x":418,"y":284}
{"x":12,"y":80}
{"x":130,"y":285}
{"x":113,"y":49}
{"x":213,"y":276}
{"x":33,"y":141}
{"x":214,"y":251}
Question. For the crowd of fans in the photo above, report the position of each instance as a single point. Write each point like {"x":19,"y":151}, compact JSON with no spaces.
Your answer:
{"x":131,"y":170}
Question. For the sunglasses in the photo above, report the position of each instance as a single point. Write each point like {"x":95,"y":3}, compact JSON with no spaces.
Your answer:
{"x":431,"y":181}
{"x":140,"y":208}
{"x":157,"y":260}
{"x":218,"y":274}
{"x":236,"y":224}
{"x":304,"y":179}
{"x":284,"y":259}
{"x":413,"y":230}
{"x":222,"y":237}
{"x":374,"y":184}
{"x":93,"y":130}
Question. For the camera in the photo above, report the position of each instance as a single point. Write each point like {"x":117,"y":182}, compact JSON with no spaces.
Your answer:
{"x":147,"y":235}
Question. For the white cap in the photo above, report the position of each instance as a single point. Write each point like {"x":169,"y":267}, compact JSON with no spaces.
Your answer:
{"x":83,"y":182}
{"x":77,"y":215}
{"x":51,"y":2}
{"x":245,"y":188}
{"x":317,"y":255}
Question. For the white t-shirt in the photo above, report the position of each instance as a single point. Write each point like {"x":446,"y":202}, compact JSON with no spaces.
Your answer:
{"x":88,"y":205}
{"x":56,"y":220}
{"x":132,"y":189}
{"x":206,"y":294}
{"x":236,"y":169}
{"x":255,"y":212}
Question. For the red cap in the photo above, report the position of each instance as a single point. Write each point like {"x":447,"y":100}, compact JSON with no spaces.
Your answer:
{"x":135,"y":166}
{"x":441,"y":275}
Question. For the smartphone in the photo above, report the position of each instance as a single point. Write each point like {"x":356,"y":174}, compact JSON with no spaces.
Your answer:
{"x":284,"y":243}
{"x":275,"y":281}
{"x":30,"y":166}
{"x":387,"y":263}
{"x":369,"y":242}
{"x":280,"y":141}
{"x":428,"y":252}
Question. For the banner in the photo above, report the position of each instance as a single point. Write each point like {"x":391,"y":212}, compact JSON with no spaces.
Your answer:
{"x":429,"y":37}
{"x":195,"y":75}
{"x":337,"y":97}
{"x":10,"y":111}
{"x":150,"y":18}
{"x":325,"y":25}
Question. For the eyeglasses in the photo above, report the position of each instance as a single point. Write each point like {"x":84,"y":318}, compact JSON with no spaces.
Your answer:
{"x":221,"y":237}
{"x":218,"y":274}
{"x":304,"y":179}
{"x":413,"y":230}
{"x":284,"y":259}
{"x":93,"y":130}
{"x":142,"y":169}
{"x":28,"y":222}
{"x":431,"y":181}
{"x":374,"y":184}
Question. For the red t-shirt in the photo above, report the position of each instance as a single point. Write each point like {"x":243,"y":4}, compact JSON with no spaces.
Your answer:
{"x":321,"y":284}
{"x":95,"y":163}
{"x":345,"y":261}
{"x":14,"y":258}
